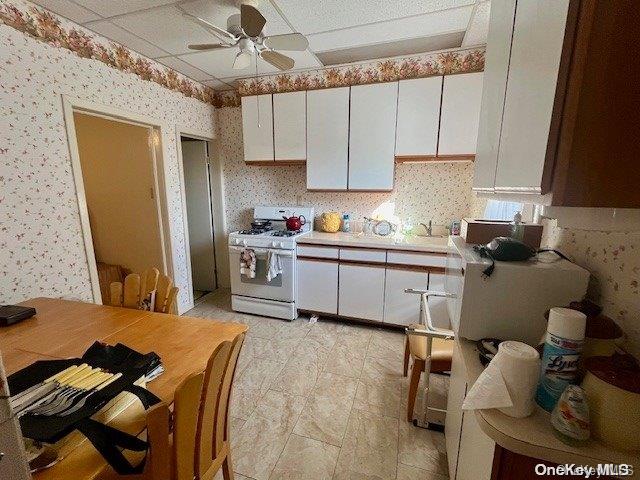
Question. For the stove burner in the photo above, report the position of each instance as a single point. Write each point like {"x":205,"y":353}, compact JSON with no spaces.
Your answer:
{"x":253,"y":231}
{"x":285,"y":233}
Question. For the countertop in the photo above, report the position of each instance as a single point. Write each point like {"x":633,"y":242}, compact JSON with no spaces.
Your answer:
{"x":533,"y":436}
{"x":409,"y":243}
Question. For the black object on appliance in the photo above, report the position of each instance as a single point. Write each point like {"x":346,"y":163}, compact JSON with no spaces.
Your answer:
{"x":10,"y":314}
{"x":107,"y":440}
{"x":504,"y":249}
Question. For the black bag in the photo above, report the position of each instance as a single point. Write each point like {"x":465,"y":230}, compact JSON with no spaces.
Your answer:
{"x":107,"y":440}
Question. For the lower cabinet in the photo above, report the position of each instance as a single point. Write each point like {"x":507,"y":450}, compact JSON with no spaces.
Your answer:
{"x":399,"y":307}
{"x":317,"y":283}
{"x":438,"y":305}
{"x":361,"y":292}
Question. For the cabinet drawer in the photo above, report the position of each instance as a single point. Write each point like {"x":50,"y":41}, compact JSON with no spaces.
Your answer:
{"x":421,"y":259}
{"x":317,"y":251}
{"x":363,"y":255}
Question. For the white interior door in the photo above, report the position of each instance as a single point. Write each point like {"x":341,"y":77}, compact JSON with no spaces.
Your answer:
{"x":327,"y":138}
{"x":199,"y":216}
{"x":372,"y":138}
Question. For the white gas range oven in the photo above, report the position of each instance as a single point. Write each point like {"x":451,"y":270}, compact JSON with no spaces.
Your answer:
{"x":268,"y":236}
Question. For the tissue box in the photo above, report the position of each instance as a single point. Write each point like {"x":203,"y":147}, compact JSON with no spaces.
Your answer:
{"x":479,"y":231}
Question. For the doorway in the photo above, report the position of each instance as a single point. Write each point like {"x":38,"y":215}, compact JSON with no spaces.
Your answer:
{"x":199,"y":206}
{"x":118,"y":169}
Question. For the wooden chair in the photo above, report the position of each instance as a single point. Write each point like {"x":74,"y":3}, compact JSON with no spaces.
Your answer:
{"x":156,"y":290}
{"x":192,"y":441}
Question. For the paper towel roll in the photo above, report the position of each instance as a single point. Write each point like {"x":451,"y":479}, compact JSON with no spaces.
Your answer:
{"x":519,"y":364}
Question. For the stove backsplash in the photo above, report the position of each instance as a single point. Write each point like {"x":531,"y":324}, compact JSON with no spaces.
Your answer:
{"x":437,"y":192}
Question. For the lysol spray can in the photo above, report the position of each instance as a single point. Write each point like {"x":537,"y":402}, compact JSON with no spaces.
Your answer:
{"x":561,"y":355}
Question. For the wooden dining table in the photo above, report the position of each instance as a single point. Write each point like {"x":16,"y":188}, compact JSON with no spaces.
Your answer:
{"x":66,"y":329}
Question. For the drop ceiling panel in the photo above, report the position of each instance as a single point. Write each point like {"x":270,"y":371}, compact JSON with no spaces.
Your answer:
{"x":219,"y":63}
{"x":120,"y":35}
{"x":166,"y":28}
{"x":184,"y":68}
{"x":218,"y":11}
{"x":312,"y":16}
{"x":218,"y":84}
{"x":109,"y":8}
{"x":479,"y":26}
{"x":69,"y":10}
{"x":431,"y":24}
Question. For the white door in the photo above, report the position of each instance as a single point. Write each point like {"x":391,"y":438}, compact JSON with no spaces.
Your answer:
{"x":290,"y":126}
{"x":317,"y":286}
{"x":327,"y":139}
{"x":257,"y":128}
{"x":538,"y":36}
{"x":399,"y":307}
{"x":453,"y":422}
{"x":438,"y":305}
{"x":461,"y":97}
{"x":361,"y":292}
{"x":199,"y":215}
{"x":496,"y":69}
{"x":418,"y":116}
{"x":372,"y":136}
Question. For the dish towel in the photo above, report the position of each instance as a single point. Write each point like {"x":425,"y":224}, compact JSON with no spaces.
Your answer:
{"x":274,"y":266}
{"x":248,"y":263}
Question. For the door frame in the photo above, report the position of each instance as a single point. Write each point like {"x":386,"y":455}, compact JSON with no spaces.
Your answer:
{"x":217,"y":206}
{"x":72,"y":104}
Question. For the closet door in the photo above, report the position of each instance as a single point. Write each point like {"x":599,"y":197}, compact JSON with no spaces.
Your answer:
{"x":257,"y":128}
{"x":461,"y":97}
{"x":289,"y":126}
{"x":418,"y":117}
{"x":327,"y":138}
{"x":372,"y":136}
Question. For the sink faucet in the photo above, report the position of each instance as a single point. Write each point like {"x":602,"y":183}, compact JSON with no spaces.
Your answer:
{"x":428,"y":228}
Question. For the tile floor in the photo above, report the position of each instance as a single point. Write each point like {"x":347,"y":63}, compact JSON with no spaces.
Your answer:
{"x":322,"y":401}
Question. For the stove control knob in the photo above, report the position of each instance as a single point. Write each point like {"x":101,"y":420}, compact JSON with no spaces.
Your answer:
{"x":237,"y":241}
{"x":274,"y":244}
{"x":244,"y":242}
{"x":281,"y":244}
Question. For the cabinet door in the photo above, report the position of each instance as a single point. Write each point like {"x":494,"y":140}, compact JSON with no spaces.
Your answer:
{"x":399,"y":307}
{"x":418,"y":116}
{"x":317,"y":285}
{"x":257,"y":128}
{"x":453,"y":423}
{"x":438,"y":305}
{"x":372,"y":136}
{"x":475,"y":452}
{"x":538,"y":36}
{"x":290,"y":126}
{"x":361,"y":292}
{"x":460,"y":114}
{"x":496,"y":69}
{"x":327,"y":139}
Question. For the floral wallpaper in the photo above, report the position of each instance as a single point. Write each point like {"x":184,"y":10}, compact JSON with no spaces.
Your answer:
{"x":613,"y":258}
{"x":435,"y":191}
{"x":41,"y":244}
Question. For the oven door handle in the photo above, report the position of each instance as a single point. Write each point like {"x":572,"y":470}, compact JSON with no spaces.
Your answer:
{"x":281,"y":253}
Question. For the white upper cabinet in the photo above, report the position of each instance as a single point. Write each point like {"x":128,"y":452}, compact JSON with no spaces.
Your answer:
{"x":536,"y":48}
{"x":257,"y":128}
{"x":461,"y":98}
{"x":289,"y":126}
{"x":496,"y":68}
{"x":327,"y":139}
{"x":418,"y":116}
{"x":372,"y":135}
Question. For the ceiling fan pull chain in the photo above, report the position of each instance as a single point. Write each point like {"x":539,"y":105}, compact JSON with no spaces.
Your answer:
{"x":257,"y":96}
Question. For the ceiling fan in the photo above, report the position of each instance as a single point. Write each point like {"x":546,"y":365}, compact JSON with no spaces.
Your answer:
{"x":245,"y":31}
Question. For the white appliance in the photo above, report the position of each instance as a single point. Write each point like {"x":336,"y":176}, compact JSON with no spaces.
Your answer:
{"x":511,"y":303}
{"x":274,"y":298}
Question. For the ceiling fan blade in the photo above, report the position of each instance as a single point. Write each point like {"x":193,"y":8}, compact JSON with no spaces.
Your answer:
{"x":207,"y":46}
{"x":221,"y":33}
{"x":278,"y":60}
{"x":251,"y":20}
{"x":288,"y":41}
{"x":242,"y":61}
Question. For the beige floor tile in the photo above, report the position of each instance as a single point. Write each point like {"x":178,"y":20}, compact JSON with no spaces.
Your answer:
{"x":376,"y":368}
{"x":389,"y":345}
{"x":358,"y":343}
{"x":343,"y":360}
{"x":326,"y":412}
{"x":265,"y":434}
{"x":260,"y":374}
{"x":380,"y":396}
{"x":280,"y":348}
{"x":370,"y":448}
{"x":422,"y":448}
{"x":306,"y":459}
{"x":299,"y":375}
{"x":243,"y":401}
{"x":406,"y":472}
